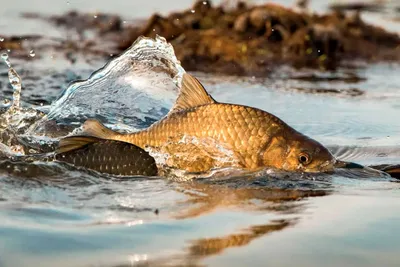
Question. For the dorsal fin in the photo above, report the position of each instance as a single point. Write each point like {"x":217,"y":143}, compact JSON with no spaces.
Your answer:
{"x":74,"y":142}
{"x":192,"y":94}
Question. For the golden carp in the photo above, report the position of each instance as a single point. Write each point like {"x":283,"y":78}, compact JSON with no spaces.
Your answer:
{"x":199,"y":134}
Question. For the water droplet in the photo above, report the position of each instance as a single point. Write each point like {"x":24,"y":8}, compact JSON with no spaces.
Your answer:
{"x":4,"y":56}
{"x":204,"y":2}
{"x":41,"y":104}
{"x":8,"y":50}
{"x":124,"y":22}
{"x":111,"y":55}
{"x":319,"y":51}
{"x":32,"y":53}
{"x":193,"y":11}
{"x":15,"y":81}
{"x":95,"y":16}
{"x":154,"y":30}
{"x":1,"y":39}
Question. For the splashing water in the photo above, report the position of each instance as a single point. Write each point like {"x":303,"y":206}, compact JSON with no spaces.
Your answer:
{"x":136,"y":89}
{"x":15,"y":82}
{"x":4,"y":56}
{"x":15,"y":119}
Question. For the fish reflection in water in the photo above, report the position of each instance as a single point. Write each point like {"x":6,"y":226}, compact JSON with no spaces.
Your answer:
{"x":211,"y":246}
{"x":206,"y":197}
{"x":264,"y":194}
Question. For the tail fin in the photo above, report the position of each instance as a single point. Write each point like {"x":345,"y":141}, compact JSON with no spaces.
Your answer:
{"x":94,"y":128}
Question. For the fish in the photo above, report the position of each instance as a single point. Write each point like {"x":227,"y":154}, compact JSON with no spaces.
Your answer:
{"x":106,"y":156}
{"x":200,"y":134}
{"x":392,"y":169}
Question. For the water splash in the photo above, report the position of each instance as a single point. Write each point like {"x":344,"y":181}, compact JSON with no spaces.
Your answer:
{"x":15,"y":82}
{"x":5,"y":58}
{"x":136,"y":89}
{"x":15,"y":120}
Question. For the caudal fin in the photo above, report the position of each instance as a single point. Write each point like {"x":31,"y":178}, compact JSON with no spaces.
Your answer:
{"x":94,"y":128}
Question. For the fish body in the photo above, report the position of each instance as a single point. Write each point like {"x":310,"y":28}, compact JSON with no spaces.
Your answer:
{"x":106,"y":156}
{"x":199,"y":134}
{"x":392,"y":170}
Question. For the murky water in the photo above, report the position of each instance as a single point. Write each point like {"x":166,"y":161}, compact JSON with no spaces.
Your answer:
{"x":53,"y":215}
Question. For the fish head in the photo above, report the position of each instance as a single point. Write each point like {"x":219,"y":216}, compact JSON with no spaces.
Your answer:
{"x":296,"y":152}
{"x":308,"y":155}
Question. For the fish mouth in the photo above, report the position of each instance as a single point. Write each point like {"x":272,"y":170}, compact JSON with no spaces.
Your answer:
{"x":325,"y":167}
{"x":347,"y":165}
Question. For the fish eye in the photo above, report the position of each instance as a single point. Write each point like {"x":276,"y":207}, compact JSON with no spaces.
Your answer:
{"x":304,"y":158}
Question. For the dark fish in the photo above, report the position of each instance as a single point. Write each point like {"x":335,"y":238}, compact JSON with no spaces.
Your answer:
{"x":392,"y":170}
{"x":106,"y":156}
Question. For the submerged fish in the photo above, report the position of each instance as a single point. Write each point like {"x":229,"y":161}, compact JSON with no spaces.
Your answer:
{"x":199,"y":134}
{"x":392,"y":170}
{"x":106,"y":156}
